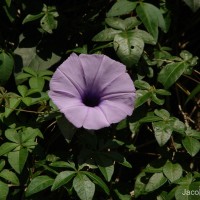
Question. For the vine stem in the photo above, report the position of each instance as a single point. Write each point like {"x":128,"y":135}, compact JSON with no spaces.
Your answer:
{"x":22,"y":110}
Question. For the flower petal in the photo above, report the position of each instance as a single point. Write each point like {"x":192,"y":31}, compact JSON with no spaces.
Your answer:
{"x":60,"y":82}
{"x":64,"y":100}
{"x":91,"y":65}
{"x":95,"y":119}
{"x":76,"y":115}
{"x":73,"y":70}
{"x":117,"y":108}
{"x":100,"y":70}
{"x":122,"y":84}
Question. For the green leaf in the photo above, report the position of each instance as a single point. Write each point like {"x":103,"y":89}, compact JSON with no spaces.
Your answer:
{"x":4,"y":191}
{"x":193,"y":4}
{"x":17,"y":159}
{"x":121,"y":7}
{"x":145,"y":36}
{"x":63,"y":164}
{"x":30,"y":71}
{"x":32,"y":60}
{"x":38,"y":184}
{"x":150,"y":119}
{"x":156,"y":181}
{"x":185,"y":180}
{"x":172,"y":171}
{"x":142,"y":96}
{"x":122,"y":196}
{"x":126,"y":24}
{"x":97,"y":180}
{"x":84,"y":187}
{"x":139,"y":187}
{"x":22,"y":90}
{"x":30,"y":134}
{"x":162,"y":131}
{"x":36,"y":83}
{"x":13,"y":103}
{"x":179,"y":126}
{"x":192,"y":145}
{"x":164,"y":114}
{"x":12,"y":135}
{"x":22,"y":76}
{"x":7,"y":147}
{"x":171,"y":73}
{"x":42,"y":73}
{"x":10,"y":176}
{"x":48,"y":22}
{"x":106,"y":35}
{"x":163,"y":92}
{"x":128,"y":48}
{"x":6,"y":66}
{"x":192,"y":133}
{"x":156,"y":100}
{"x":188,"y":192}
{"x":147,"y":14}
{"x":62,"y":178}
{"x":30,"y":17}
{"x":2,"y":164}
{"x":107,"y":171}
{"x":142,"y":84}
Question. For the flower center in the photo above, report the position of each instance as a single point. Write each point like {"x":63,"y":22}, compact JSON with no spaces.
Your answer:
{"x":91,"y":100}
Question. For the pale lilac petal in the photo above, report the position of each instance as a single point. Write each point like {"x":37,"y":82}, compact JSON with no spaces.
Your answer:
{"x":91,"y":65}
{"x":60,"y":82}
{"x":76,"y":115}
{"x":73,"y":70}
{"x":64,"y":100}
{"x":117,"y":107}
{"x":95,"y":119}
{"x":122,"y":84}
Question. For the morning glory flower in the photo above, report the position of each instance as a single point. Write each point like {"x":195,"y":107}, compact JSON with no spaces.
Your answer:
{"x":92,"y":91}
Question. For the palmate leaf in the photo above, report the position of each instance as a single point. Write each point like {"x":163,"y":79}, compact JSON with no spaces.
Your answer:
{"x":128,"y":47}
{"x":171,"y":73}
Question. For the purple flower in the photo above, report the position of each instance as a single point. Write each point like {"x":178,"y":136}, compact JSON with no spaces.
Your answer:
{"x":93,"y":91}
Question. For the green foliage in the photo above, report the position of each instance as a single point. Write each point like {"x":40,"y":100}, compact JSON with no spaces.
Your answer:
{"x":153,"y":154}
